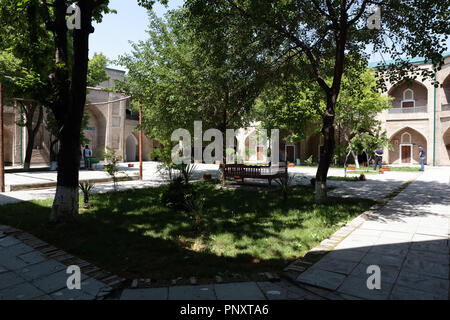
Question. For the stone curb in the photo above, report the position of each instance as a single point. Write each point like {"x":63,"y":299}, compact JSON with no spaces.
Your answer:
{"x":296,"y":268}
{"x":51,"y":252}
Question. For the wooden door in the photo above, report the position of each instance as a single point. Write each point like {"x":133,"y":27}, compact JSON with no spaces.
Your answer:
{"x":406,"y":154}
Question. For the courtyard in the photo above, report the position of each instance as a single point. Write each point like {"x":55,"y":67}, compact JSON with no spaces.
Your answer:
{"x":246,"y":233}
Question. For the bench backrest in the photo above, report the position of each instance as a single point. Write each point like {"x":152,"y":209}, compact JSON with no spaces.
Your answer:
{"x":243,"y":170}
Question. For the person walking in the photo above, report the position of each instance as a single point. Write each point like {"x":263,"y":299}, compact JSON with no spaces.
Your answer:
{"x":87,"y":153}
{"x":378,"y":158}
{"x":422,"y":157}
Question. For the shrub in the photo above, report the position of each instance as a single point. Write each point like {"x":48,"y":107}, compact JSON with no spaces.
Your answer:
{"x":309,"y":161}
{"x":194,"y":204}
{"x":86,"y":188}
{"x":362,"y":177}
{"x":175,"y":193}
{"x":111,"y":164}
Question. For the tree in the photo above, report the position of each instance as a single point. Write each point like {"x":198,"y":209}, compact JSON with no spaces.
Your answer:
{"x":181,"y":76}
{"x":325,"y":32}
{"x":96,"y":70}
{"x":27,"y":47}
{"x":357,"y":107}
{"x":369,"y":141}
{"x":68,"y":83}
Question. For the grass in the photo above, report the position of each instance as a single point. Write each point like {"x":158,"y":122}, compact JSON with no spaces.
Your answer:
{"x":343,"y":178}
{"x":242,"y":231}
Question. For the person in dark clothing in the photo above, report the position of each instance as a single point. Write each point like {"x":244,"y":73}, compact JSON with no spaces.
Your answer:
{"x":422,"y":157}
{"x":87,"y":153}
{"x":378,"y":158}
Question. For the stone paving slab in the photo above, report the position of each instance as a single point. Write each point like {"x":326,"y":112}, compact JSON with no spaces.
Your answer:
{"x":408,"y":239}
{"x":425,"y":282}
{"x":145,"y":294}
{"x":239,"y":291}
{"x":357,"y":286}
{"x":9,"y":279}
{"x":405,"y":293}
{"x":41,"y":269}
{"x":23,"y":291}
{"x":321,"y":278}
{"x":192,"y":293}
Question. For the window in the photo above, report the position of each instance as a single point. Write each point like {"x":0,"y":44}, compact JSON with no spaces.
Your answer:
{"x":406,"y":138}
{"x":408,"y":99}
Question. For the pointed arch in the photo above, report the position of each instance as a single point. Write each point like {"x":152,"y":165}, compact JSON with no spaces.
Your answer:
{"x":409,"y":94}
{"x":406,"y":142}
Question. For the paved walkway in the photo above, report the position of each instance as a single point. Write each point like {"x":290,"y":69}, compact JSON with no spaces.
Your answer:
{"x":27,"y":273}
{"x":375,"y":187}
{"x":408,"y":239}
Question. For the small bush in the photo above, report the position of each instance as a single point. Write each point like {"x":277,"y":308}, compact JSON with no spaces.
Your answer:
{"x":362,"y":177}
{"x":309,"y":161}
{"x":175,"y":193}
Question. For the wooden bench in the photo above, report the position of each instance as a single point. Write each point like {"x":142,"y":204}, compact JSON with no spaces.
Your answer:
{"x":242,"y":171}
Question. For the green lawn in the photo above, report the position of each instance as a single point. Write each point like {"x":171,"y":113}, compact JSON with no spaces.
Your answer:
{"x":343,"y":178}
{"x":131,"y":234}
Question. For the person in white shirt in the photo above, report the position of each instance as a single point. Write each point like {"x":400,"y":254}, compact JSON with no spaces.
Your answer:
{"x":87,"y":153}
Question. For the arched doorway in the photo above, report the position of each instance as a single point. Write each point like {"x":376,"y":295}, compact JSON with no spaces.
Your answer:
{"x":406,"y":144}
{"x":131,"y":146}
{"x":409,"y":96}
{"x":95,"y":131}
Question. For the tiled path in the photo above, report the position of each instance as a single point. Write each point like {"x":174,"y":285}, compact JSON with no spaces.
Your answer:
{"x":30,"y":269}
{"x":408,"y":239}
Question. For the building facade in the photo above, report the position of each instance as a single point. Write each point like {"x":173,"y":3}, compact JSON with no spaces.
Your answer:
{"x":111,"y":123}
{"x":420,"y":116}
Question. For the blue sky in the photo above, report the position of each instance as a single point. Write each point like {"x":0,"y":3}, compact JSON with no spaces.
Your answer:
{"x":112,"y":36}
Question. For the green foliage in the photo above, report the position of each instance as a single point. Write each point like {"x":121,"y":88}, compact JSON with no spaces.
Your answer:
{"x":96,"y":70}
{"x":194,"y":203}
{"x":182,"y":75}
{"x":174,"y":195}
{"x":86,"y":188}
{"x":111,"y":163}
{"x":309,"y":161}
{"x":186,"y":171}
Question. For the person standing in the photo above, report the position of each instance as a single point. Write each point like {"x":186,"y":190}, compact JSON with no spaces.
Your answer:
{"x":422,"y":157}
{"x":378,"y":158}
{"x":87,"y":153}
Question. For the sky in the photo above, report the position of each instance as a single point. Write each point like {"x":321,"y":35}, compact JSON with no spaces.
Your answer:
{"x":112,"y":35}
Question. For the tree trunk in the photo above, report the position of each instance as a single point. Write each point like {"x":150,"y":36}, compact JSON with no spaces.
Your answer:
{"x":355,"y":156}
{"x":29,"y":149}
{"x":66,"y":203}
{"x":326,"y":155}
